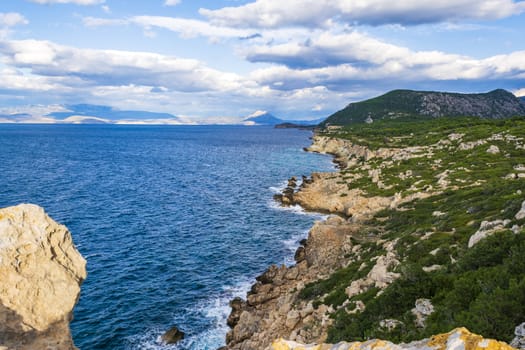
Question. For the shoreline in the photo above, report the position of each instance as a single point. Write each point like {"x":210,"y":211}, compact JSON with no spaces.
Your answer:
{"x":267,"y":312}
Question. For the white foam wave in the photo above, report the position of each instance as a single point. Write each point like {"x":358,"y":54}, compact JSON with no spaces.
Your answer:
{"x":216,"y":310}
{"x":291,"y":244}
{"x":279,"y":188}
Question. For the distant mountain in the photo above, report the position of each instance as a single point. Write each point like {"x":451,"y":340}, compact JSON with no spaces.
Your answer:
{"x":522,"y":98}
{"x":496,"y":104}
{"x":266,"y":118}
{"x":100,"y":114}
{"x":263,"y":118}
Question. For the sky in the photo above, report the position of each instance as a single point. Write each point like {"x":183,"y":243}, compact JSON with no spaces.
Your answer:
{"x":219,"y":60}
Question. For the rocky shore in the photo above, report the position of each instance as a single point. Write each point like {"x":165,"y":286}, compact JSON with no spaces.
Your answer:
{"x":275,"y":307}
{"x":40,"y":277}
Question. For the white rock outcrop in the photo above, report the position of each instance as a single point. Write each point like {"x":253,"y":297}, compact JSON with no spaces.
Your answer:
{"x":457,"y":339}
{"x":486,"y":229}
{"x":40,"y":276}
{"x":519,"y":340}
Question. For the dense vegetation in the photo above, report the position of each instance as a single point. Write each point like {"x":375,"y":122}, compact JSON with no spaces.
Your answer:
{"x":429,"y":104}
{"x":482,"y":287}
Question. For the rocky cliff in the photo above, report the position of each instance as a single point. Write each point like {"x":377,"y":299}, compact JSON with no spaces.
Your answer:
{"x":395,"y":260}
{"x":40,"y":276}
{"x":430,"y":104}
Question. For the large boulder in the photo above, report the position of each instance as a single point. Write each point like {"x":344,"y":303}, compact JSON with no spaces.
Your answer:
{"x":40,"y":276}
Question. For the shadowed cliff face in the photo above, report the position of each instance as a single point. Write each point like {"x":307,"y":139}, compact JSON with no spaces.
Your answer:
{"x":15,"y":335}
{"x":40,"y":276}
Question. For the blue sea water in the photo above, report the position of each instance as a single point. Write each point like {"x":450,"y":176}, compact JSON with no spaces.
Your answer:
{"x":174,"y":221}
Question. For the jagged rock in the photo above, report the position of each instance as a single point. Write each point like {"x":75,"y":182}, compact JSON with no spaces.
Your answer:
{"x":459,"y":338}
{"x":422,"y":310}
{"x":172,"y":336}
{"x":248,"y":325}
{"x":521,"y":214}
{"x":40,"y":276}
{"x":519,"y":340}
{"x":486,"y":229}
{"x":268,"y":275}
{"x":379,"y":276}
{"x":300,"y":254}
{"x":237,"y":305}
{"x":292,"y":318}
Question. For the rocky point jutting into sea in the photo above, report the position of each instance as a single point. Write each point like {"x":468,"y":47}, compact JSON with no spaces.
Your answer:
{"x":40,"y":276}
{"x":344,"y":269}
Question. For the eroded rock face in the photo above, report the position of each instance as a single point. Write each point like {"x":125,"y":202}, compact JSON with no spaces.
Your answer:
{"x":459,"y":338}
{"x":40,"y":276}
{"x":272,"y":308}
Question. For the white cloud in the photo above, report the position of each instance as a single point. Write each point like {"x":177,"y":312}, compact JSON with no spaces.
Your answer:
{"x":187,"y":28}
{"x":272,"y":13}
{"x":115,"y":68}
{"x":11,"y":19}
{"x":105,"y":8}
{"x":76,"y":2}
{"x":172,"y":2}
{"x":14,"y":80}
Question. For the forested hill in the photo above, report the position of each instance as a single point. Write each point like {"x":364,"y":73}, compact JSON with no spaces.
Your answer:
{"x":496,"y":104}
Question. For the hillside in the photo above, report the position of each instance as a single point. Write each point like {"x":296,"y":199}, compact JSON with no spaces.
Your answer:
{"x":427,"y":234}
{"x":496,"y":104}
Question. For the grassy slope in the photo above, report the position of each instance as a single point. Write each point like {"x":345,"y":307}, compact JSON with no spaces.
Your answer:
{"x":482,"y":288}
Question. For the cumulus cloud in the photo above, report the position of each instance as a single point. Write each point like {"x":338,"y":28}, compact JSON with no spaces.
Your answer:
{"x":15,"y":80}
{"x":11,"y":19}
{"x":271,"y":13}
{"x":113,"y":67}
{"x":76,"y":2}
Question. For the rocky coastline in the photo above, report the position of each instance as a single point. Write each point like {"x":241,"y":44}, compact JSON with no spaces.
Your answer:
{"x":275,"y":307}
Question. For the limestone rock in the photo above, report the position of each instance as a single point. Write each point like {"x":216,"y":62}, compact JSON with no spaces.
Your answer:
{"x":486,"y":229}
{"x":519,"y":341}
{"x":459,"y":338}
{"x":40,"y":276}
{"x":521,"y":214}
{"x":493,"y":149}
{"x":422,"y":310}
{"x":390,"y":324}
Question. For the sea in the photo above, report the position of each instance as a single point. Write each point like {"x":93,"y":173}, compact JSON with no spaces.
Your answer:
{"x":174,"y":221}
